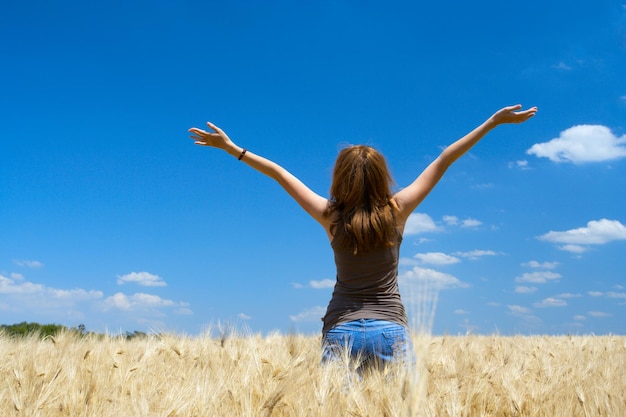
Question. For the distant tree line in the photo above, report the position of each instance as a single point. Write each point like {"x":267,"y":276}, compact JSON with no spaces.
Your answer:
{"x":43,"y":330}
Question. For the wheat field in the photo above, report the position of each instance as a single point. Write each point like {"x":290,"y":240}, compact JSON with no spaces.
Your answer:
{"x":280,"y":375}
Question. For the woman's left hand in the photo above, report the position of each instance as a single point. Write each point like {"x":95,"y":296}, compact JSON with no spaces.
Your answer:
{"x":510,"y":115}
{"x":217,"y":139}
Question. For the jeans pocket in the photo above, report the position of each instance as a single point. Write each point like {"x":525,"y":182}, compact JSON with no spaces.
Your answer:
{"x":396,"y":341}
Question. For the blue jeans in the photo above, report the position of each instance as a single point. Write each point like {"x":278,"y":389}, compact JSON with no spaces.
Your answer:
{"x":373,"y":342}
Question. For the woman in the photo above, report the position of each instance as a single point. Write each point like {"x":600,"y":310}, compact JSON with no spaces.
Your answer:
{"x":364,"y":222}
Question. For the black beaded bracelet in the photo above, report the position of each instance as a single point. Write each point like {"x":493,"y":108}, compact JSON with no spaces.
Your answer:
{"x":243,"y":152}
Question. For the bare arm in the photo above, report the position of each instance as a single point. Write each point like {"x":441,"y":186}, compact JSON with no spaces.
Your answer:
{"x":410,"y":197}
{"x":313,"y":203}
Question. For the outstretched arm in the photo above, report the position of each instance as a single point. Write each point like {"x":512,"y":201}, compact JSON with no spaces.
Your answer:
{"x":410,"y":197}
{"x":313,"y":203}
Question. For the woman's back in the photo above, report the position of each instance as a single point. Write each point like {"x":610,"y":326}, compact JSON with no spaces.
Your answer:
{"x":366,"y":287}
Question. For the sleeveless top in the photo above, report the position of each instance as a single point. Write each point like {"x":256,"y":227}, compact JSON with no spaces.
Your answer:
{"x":366,"y":287}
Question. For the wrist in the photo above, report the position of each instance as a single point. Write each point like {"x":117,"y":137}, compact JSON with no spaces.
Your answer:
{"x":491,"y":122}
{"x":235,"y":151}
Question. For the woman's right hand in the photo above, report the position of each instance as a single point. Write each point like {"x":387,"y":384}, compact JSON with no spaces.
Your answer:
{"x":217,"y":139}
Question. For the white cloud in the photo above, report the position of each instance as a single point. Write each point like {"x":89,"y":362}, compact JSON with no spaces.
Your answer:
{"x":9,"y":286}
{"x":580,"y":317}
{"x":184,"y":311}
{"x":574,"y":248}
{"x":543,"y":265}
{"x":436,"y":258}
{"x":538,"y":277}
{"x":471,"y":223}
{"x":451,"y":220}
{"x":520,"y":289}
{"x":551,"y":302}
{"x":313,"y":314}
{"x":20,"y":296}
{"x":432,"y":279}
{"x":419,"y":223}
{"x":244,"y":316}
{"x":455,"y":221}
{"x":562,"y":66}
{"x":518,"y":309}
{"x":583,"y":143}
{"x":461,"y":312}
{"x":324,"y":283}
{"x":595,"y":293}
{"x":25,"y":288}
{"x":137,"y":301}
{"x":613,"y":294}
{"x":28,"y":264}
{"x":75,"y":294}
{"x":475,"y":254}
{"x":521,"y":164}
{"x":145,"y":279}
{"x":569,"y":295}
{"x":597,"y":232}
{"x":297,"y":285}
{"x":599,"y":314}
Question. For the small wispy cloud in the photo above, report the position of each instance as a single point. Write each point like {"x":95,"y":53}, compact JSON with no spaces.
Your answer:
{"x":244,"y":316}
{"x":517,"y":309}
{"x":313,"y":314}
{"x":538,"y":277}
{"x":145,"y":279}
{"x":520,"y":164}
{"x":27,"y":263}
{"x":569,"y":295}
{"x":580,"y":144}
{"x":321,"y":284}
{"x":455,"y":221}
{"x":475,"y":254}
{"x":471,"y":223}
{"x":551,"y":302}
{"x":562,"y":66}
{"x":436,"y":258}
{"x":315,"y":284}
{"x":613,"y":294}
{"x":542,"y":265}
{"x":599,"y":314}
{"x":483,"y":186}
{"x":521,"y":289}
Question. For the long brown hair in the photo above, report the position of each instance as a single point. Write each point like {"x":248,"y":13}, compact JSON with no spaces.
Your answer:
{"x":362,"y":208}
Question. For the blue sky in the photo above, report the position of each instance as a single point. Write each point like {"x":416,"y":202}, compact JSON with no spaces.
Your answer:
{"x":111,"y":217}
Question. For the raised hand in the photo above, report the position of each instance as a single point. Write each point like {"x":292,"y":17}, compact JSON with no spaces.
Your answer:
{"x":217,"y":138}
{"x":510,"y":115}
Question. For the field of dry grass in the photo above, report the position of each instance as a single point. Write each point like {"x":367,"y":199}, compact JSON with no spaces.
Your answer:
{"x":280,"y":375}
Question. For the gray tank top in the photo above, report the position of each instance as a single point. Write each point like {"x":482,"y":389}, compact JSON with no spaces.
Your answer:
{"x":366,"y":287}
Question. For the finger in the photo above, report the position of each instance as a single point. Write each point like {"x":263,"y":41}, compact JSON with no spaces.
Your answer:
{"x":212,"y":126}
{"x":196,"y":131}
{"x":515,"y":107}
